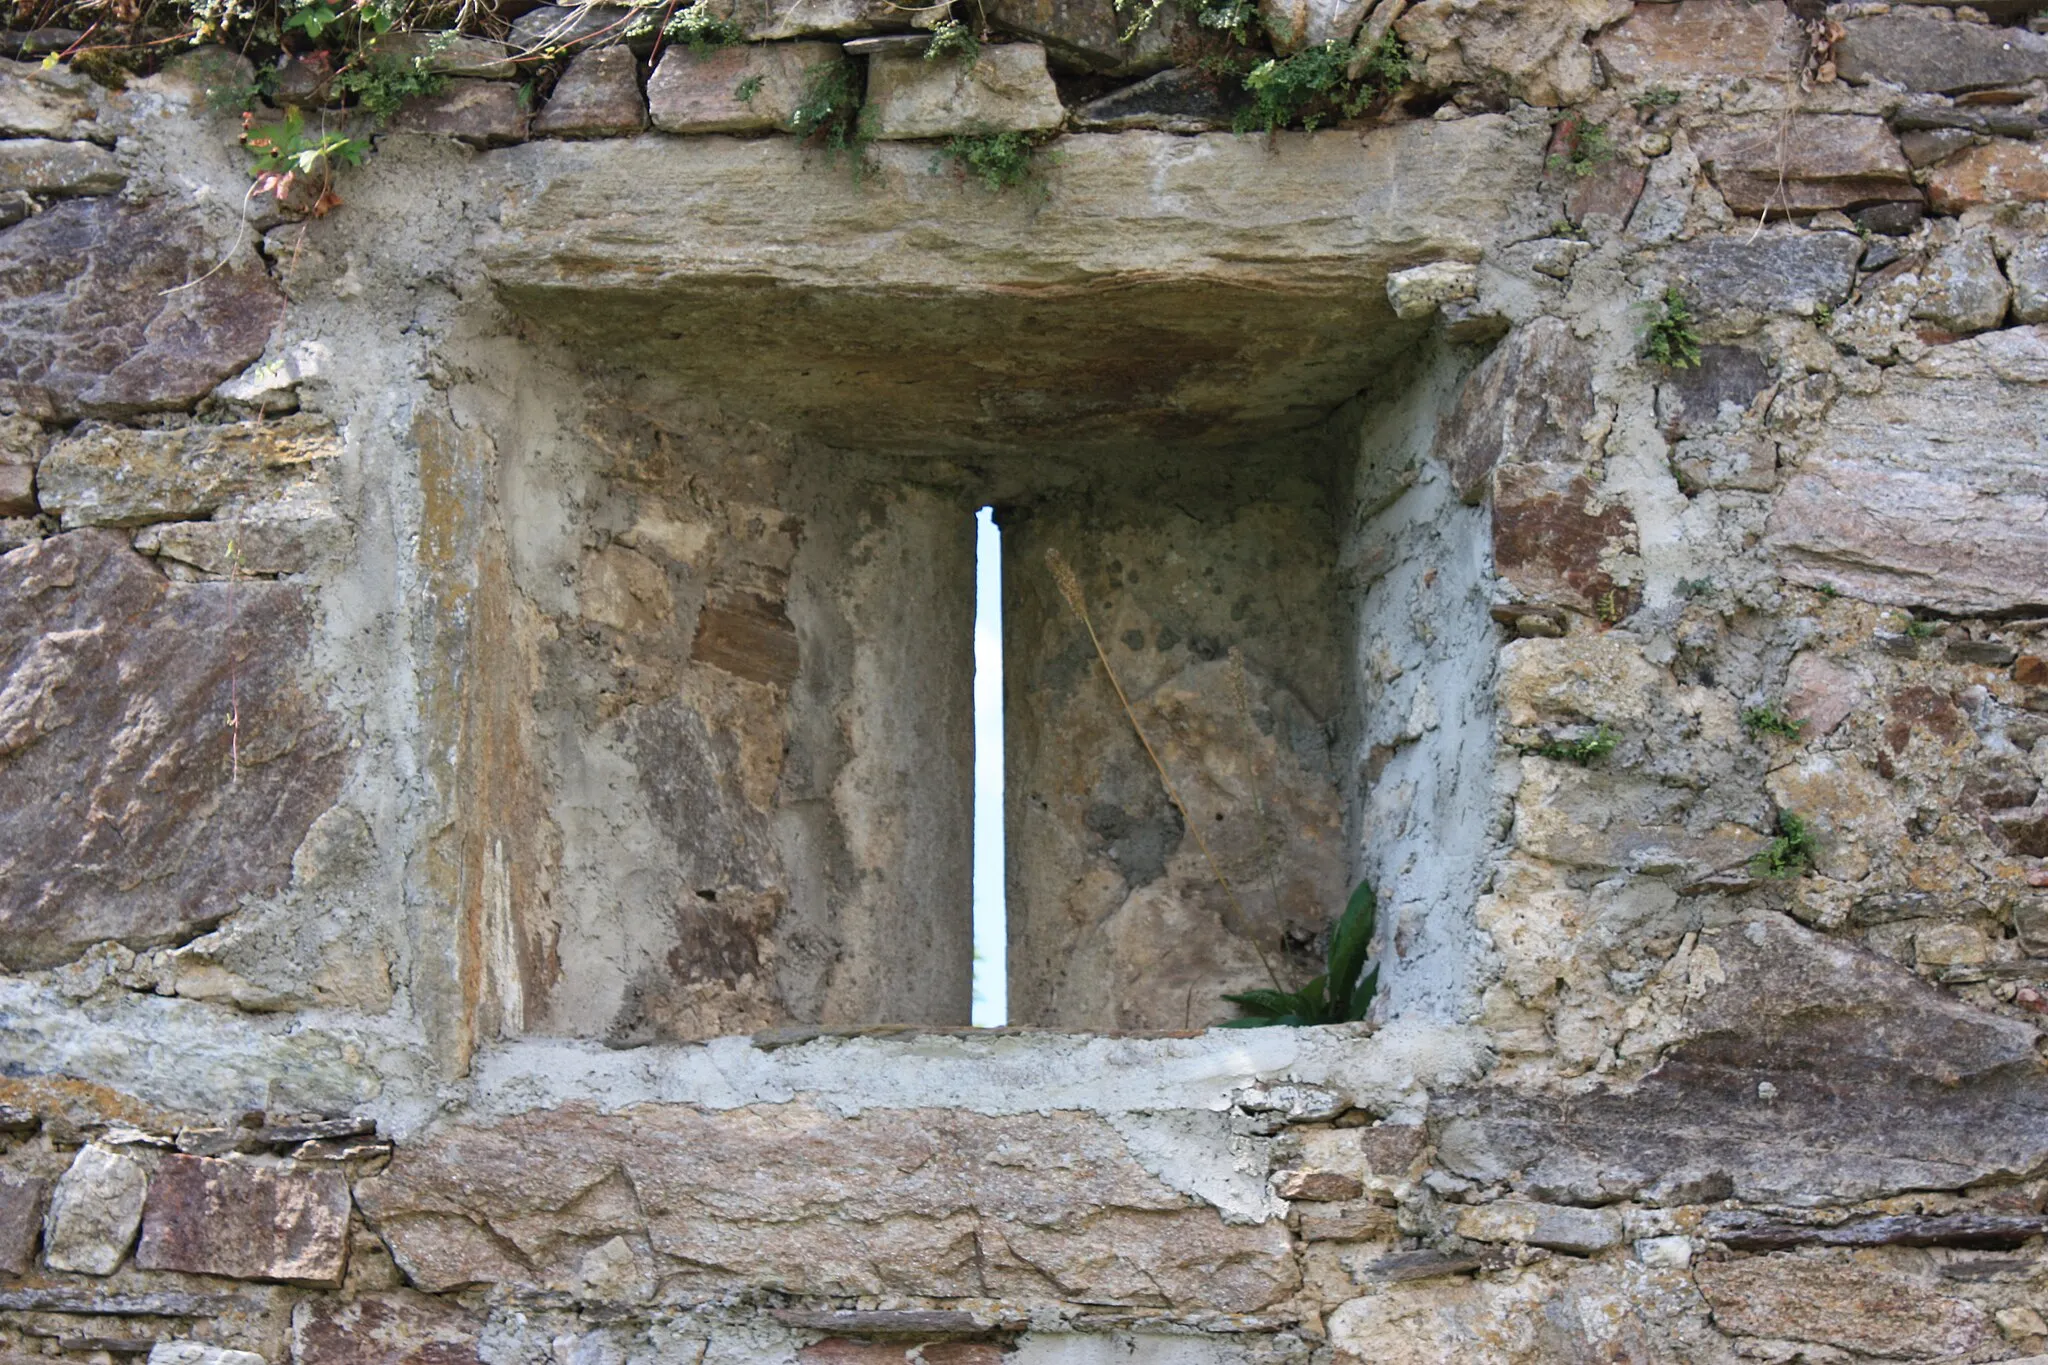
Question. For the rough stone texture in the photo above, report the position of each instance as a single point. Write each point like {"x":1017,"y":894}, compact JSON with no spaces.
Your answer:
{"x":481,"y":113}
{"x":104,"y":475}
{"x":94,"y":1211}
{"x":384,"y":1329}
{"x":1023,"y":1207}
{"x":2027,"y":268}
{"x":1534,"y":52}
{"x":568,"y":29}
{"x":104,"y":339}
{"x":598,"y":96}
{"x":1921,"y":494}
{"x":780,"y":20}
{"x":108,"y":700}
{"x":264,"y":546}
{"x":694,"y":92}
{"x":1963,"y":290}
{"x":21,"y":1221}
{"x":1421,"y":290}
{"x":1836,"y":1300}
{"x":452,"y":54}
{"x":200,"y":1353}
{"x":1554,"y":536}
{"x":1735,"y":281}
{"x":1807,"y":163}
{"x":1995,"y":173}
{"x":1296,"y":24}
{"x":1182,"y":100}
{"x":22,"y":445}
{"x":1921,"y":52}
{"x":1006,"y":88}
{"x":1529,"y":400}
{"x":1850,"y":1046}
{"x":58,"y":170}
{"x":1696,"y":40}
{"x":47,"y":102}
{"x":1088,"y":35}
{"x":1256,"y":278}
{"x":208,"y":1217}
{"x":1581,"y":1232}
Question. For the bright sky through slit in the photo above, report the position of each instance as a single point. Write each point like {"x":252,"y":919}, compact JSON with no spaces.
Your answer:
{"x":991,"y":930}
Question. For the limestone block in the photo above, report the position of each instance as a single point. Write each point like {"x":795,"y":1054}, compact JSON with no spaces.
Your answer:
{"x":1006,"y":88}
{"x":1821,"y":693}
{"x":781,"y":20}
{"x":22,"y":444}
{"x":571,"y":28}
{"x":209,"y":1217}
{"x":1529,"y":400}
{"x":693,"y":92}
{"x":1355,"y":1222}
{"x":1535,"y":51}
{"x":1699,"y":40}
{"x":265,"y":546}
{"x":1806,"y":163}
{"x":1962,"y":287}
{"x":1951,"y":945}
{"x":481,"y":113}
{"x":1089,"y":34}
{"x":1998,"y":172}
{"x":2027,"y":268}
{"x":1296,"y":24}
{"x":43,"y":167}
{"x":1587,"y":818}
{"x":119,"y":476}
{"x":1420,"y":290}
{"x":94,"y":1212}
{"x":54,"y":102}
{"x":1747,"y":462}
{"x":1842,"y":1301}
{"x":1557,"y":1227}
{"x":93,"y":323}
{"x":384,"y":1329}
{"x":451,"y":54}
{"x":117,"y":688}
{"x":200,"y":1353}
{"x":1598,"y":677}
{"x":1852,"y":811}
{"x":1923,"y":493}
{"x":598,"y":96}
{"x":1920,"y":52}
{"x":1739,"y":279}
{"x":21,"y":1221}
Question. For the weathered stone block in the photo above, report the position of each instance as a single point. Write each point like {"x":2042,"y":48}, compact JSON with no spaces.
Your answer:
{"x":1535,"y":52}
{"x":566,"y":29}
{"x":1553,"y":535}
{"x":1694,"y":40}
{"x":749,"y":636}
{"x":116,"y":693}
{"x":1325,"y":1187}
{"x":451,"y":54}
{"x":110,"y":309}
{"x":1296,"y":24}
{"x":1528,"y":401}
{"x":231,"y":546}
{"x":785,"y":1197}
{"x":1923,"y":493}
{"x":58,"y":170}
{"x":119,"y":476}
{"x":598,"y":96}
{"x":22,"y":444}
{"x":1738,"y":280}
{"x":1419,"y":291}
{"x":1089,"y":34}
{"x":1841,"y":1300}
{"x":1182,"y":100}
{"x":693,"y":92}
{"x":1593,"y":819}
{"x":840,"y":1351}
{"x":780,"y":20}
{"x":1999,"y":172}
{"x":384,"y":1329}
{"x":1356,"y":1222}
{"x":1558,"y":1227}
{"x":1921,"y":52}
{"x":1962,"y":287}
{"x":1807,"y":163}
{"x":1006,"y":88}
{"x":200,"y":1353}
{"x":2027,"y":268}
{"x":481,"y":113}
{"x":55,"y":102}
{"x":1712,"y":396}
{"x":21,"y":1221}
{"x":94,"y":1212}
{"x":208,"y":1217}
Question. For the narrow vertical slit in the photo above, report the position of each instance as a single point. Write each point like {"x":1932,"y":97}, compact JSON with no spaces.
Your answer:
{"x":991,"y":927}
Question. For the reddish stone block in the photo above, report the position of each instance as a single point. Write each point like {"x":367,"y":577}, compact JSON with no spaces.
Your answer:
{"x":211,"y":1217}
{"x":749,"y":636}
{"x":1551,"y":530}
{"x":1999,"y":172}
{"x":384,"y":1329}
{"x":1527,"y":401}
{"x":1694,"y":40}
{"x":21,"y":1218}
{"x":2030,"y":670}
{"x":1814,"y":162}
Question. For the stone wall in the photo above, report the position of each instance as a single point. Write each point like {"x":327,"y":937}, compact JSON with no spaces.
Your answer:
{"x":484,"y":712}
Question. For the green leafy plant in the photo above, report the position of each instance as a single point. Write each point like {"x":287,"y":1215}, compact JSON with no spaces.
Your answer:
{"x":1341,"y":994}
{"x":1695,"y":587}
{"x":1317,"y":83}
{"x":951,"y":38}
{"x":745,"y":91}
{"x":1238,"y":18}
{"x":1656,"y":97}
{"x":1922,"y":630}
{"x":829,"y":113}
{"x":382,"y":84}
{"x":700,"y":28}
{"x":1792,"y":853}
{"x":1771,"y":720}
{"x":1672,"y":342}
{"x":1828,"y":590}
{"x":1591,"y":148}
{"x":1000,"y":161}
{"x":1582,"y":750}
{"x":296,"y":166}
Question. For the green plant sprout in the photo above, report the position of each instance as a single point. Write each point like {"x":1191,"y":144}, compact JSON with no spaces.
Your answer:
{"x":1341,"y":994}
{"x":1672,"y":342}
{"x":1580,"y":751}
{"x":1771,"y":720}
{"x":1792,"y":853}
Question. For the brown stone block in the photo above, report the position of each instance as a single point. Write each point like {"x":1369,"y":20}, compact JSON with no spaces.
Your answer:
{"x":1551,"y":533}
{"x":1321,"y":1186}
{"x":481,"y":113}
{"x":1527,"y":402}
{"x":1999,"y":172}
{"x":1697,"y":40}
{"x":2030,"y":670}
{"x":840,"y":1351}
{"x":1347,"y":1223}
{"x":749,"y":636}
{"x":384,"y":1329}
{"x":17,"y":491}
{"x":147,"y":834}
{"x":1852,"y":1302}
{"x":598,"y":96}
{"x":21,"y":1219}
{"x":1812,"y":162}
{"x":209,"y":1217}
